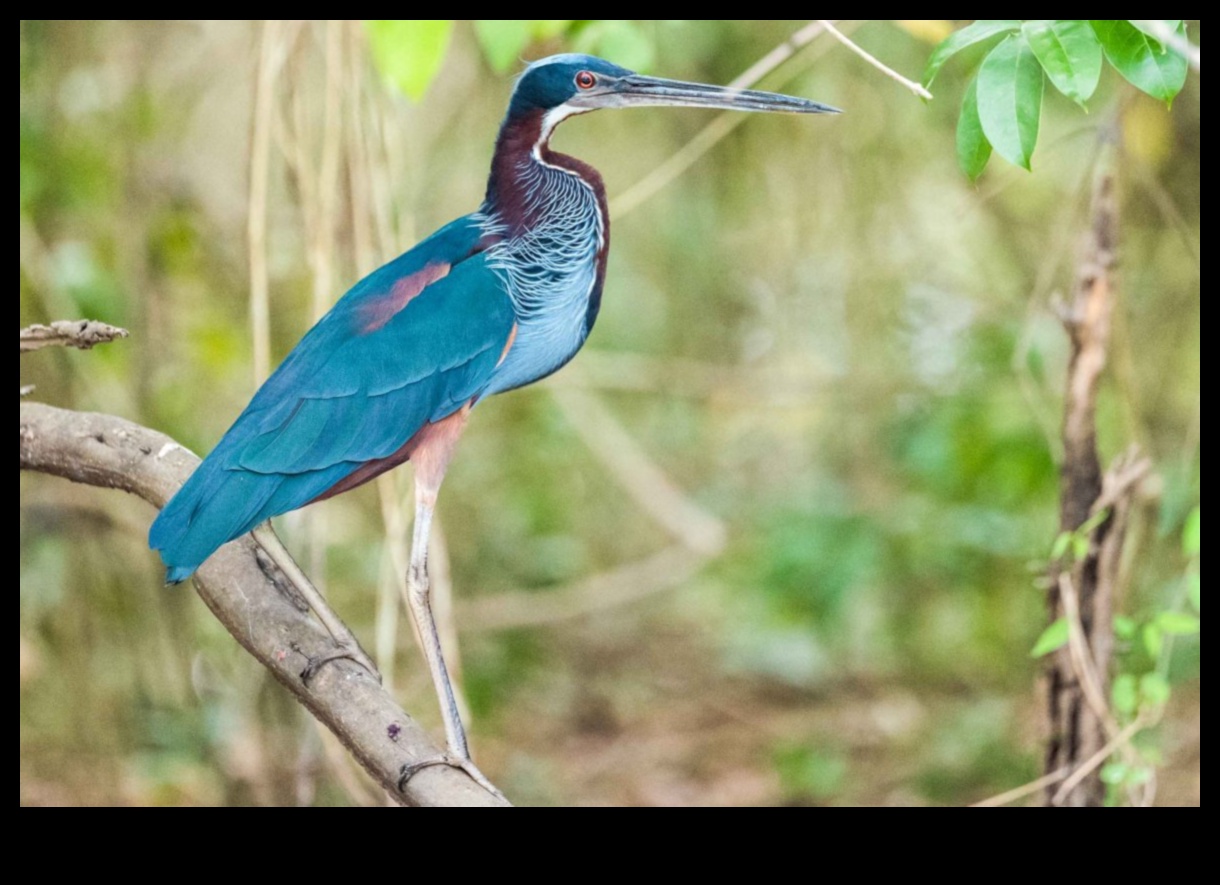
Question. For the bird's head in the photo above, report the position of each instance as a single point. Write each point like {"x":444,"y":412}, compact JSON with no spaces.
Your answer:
{"x":562,"y":85}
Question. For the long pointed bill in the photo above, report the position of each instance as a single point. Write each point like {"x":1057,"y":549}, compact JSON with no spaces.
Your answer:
{"x":637,"y":90}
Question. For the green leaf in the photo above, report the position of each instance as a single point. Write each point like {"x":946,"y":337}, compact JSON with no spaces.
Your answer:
{"x":1062,"y":541}
{"x":966,"y":37}
{"x":1124,"y":694}
{"x":1154,"y":688}
{"x":1177,"y":623}
{"x":1069,"y":52}
{"x":1190,"y":533}
{"x":1010,"y":99}
{"x":1093,"y":521}
{"x":1144,"y":62}
{"x":1124,"y":627}
{"x":973,"y":152}
{"x":408,"y":52}
{"x":1154,"y":640}
{"x":1192,"y":589}
{"x":1080,"y":546}
{"x":1171,"y":24}
{"x":1053,"y":637}
{"x":502,"y":40}
{"x":1114,"y":772}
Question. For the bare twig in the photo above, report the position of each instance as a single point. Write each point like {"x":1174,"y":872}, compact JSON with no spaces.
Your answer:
{"x":682,"y":159}
{"x":1087,"y":767}
{"x":1175,"y":41}
{"x":1022,"y":791}
{"x":619,"y":586}
{"x":256,"y":212}
{"x":105,"y":451}
{"x":888,"y":71}
{"x":648,"y":485}
{"x":81,"y":334}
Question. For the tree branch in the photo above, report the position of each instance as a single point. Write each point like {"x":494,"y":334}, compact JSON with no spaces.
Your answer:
{"x":260,"y":611}
{"x":888,"y":71}
{"x":81,"y":334}
{"x":1079,"y":721}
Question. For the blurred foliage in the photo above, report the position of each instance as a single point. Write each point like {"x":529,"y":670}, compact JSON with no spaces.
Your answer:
{"x":821,"y":333}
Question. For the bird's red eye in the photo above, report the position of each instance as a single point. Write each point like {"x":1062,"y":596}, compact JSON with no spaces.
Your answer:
{"x":585,"y":80}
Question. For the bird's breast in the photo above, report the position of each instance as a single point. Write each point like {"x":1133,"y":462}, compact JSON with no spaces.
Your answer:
{"x":552,"y":270}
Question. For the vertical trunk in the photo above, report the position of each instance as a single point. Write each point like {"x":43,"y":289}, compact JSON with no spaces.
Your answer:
{"x":1077,"y":681}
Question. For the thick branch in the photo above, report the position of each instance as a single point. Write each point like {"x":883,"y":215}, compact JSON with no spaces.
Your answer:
{"x":105,"y":451}
{"x":82,"y":334}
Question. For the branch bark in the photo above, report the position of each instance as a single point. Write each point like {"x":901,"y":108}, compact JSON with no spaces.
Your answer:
{"x":1077,"y":677}
{"x":81,"y":334}
{"x":252,"y":601}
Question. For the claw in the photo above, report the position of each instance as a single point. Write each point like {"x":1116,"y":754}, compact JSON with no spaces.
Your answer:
{"x":411,"y":769}
{"x":340,"y":652}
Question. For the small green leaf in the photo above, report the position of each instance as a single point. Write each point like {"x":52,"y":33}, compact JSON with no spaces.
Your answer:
{"x":1080,"y":546}
{"x":1053,"y":637}
{"x":1192,"y":589}
{"x":1114,"y":772}
{"x":1154,"y":689}
{"x":974,"y":150}
{"x":408,"y":52}
{"x":502,"y":40}
{"x":1062,"y":541}
{"x":968,"y":36}
{"x":1154,"y":640}
{"x":1069,"y":52}
{"x":1190,"y":533}
{"x":1093,"y":521}
{"x":1177,"y":623}
{"x":1124,"y":694}
{"x":1124,"y":627}
{"x":1144,"y":62}
{"x":1010,"y":99}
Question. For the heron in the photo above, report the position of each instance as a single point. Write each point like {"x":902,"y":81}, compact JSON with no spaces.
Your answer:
{"x":493,"y":301}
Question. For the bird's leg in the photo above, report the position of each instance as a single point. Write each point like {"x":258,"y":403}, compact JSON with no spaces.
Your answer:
{"x":419,"y":591}
{"x":348,"y":646}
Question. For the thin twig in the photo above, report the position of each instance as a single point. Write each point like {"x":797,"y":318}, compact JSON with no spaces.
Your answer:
{"x":256,"y":212}
{"x":81,"y":334}
{"x":653,"y":491}
{"x":619,"y":586}
{"x":683,"y":158}
{"x":1086,"y":768}
{"x":1081,"y":658}
{"x":888,"y":71}
{"x":1020,"y":792}
{"x":1175,"y":41}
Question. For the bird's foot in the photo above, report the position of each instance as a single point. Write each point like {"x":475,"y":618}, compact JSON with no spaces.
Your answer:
{"x":452,"y":760}
{"x":341,"y":651}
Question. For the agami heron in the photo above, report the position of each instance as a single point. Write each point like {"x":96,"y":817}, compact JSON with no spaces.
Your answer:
{"x":492,"y":301}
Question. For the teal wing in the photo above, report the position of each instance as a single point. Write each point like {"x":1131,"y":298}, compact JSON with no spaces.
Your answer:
{"x":411,"y":343}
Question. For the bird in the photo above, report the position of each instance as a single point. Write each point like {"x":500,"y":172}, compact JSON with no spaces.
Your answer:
{"x":492,"y":301}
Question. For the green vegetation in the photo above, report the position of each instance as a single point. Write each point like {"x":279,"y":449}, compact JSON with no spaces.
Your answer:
{"x":828,"y":340}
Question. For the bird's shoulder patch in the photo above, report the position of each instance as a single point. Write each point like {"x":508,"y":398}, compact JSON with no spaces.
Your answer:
{"x":378,"y":310}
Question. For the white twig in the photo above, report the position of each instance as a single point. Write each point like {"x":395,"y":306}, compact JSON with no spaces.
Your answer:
{"x":1022,"y":791}
{"x":1097,"y":758}
{"x":888,"y":71}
